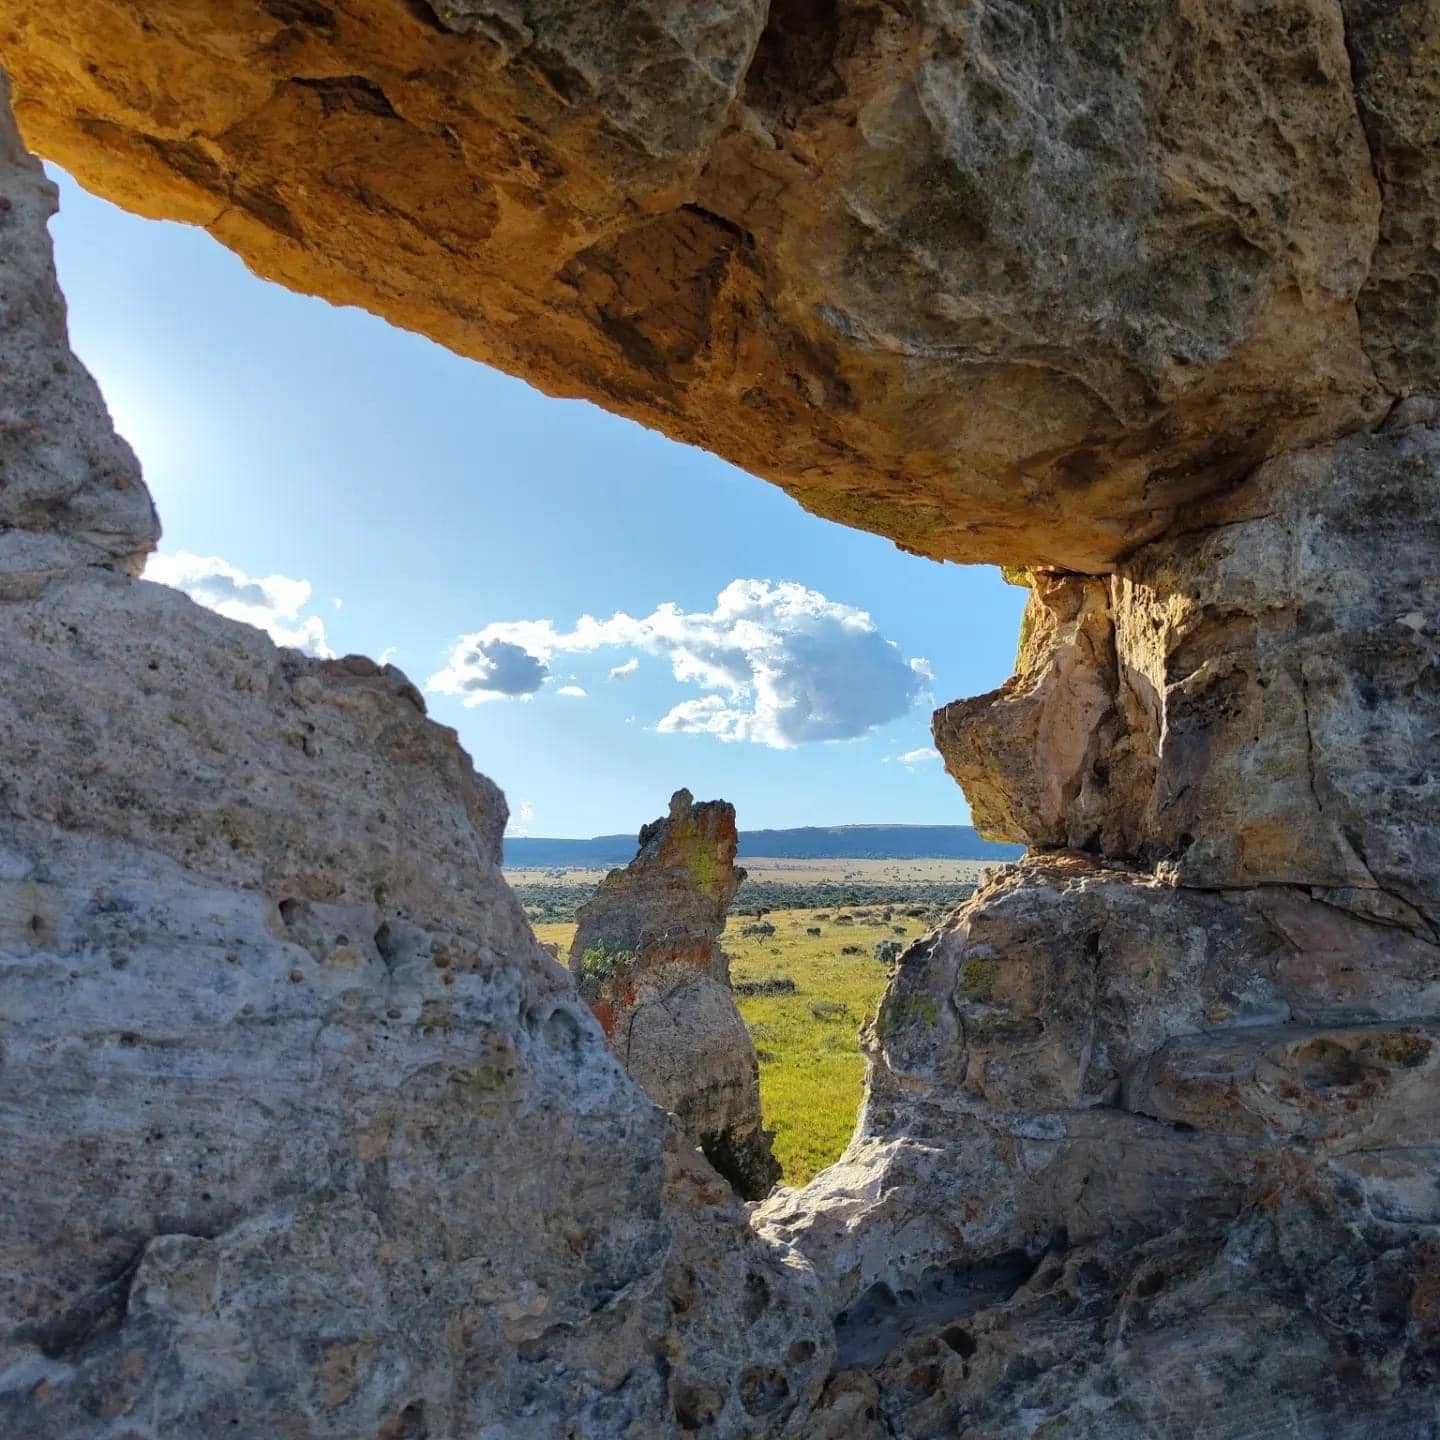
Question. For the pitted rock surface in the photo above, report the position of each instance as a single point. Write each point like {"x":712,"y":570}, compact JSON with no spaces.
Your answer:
{"x":303,"y":1132}
{"x":1000,"y":279}
{"x":1251,"y":702}
{"x":647,"y":957}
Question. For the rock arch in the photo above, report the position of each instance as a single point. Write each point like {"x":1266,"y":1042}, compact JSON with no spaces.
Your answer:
{"x":1142,"y":298}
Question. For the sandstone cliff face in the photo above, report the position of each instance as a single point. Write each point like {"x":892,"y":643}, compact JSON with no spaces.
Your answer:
{"x":303,"y":1133}
{"x":998,"y":279}
{"x":1161,"y":1099}
{"x":647,"y":957}
{"x":1141,"y":297}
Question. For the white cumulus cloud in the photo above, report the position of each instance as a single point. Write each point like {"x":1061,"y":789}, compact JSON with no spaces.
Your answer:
{"x":575,"y":692}
{"x":484,"y":667}
{"x":783,"y":664}
{"x":273,"y":603}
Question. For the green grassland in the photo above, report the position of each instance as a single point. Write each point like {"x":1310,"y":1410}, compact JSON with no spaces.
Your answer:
{"x":554,"y":894}
{"x":807,"y":1040}
{"x":792,"y":872}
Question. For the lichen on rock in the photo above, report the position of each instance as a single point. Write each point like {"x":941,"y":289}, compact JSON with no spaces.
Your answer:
{"x":647,"y":957}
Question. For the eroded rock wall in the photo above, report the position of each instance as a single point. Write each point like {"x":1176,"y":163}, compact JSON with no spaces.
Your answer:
{"x":303,"y":1132}
{"x":1162,"y":1097}
{"x":1002,"y":280}
{"x":647,"y":957}
{"x":1141,"y":297}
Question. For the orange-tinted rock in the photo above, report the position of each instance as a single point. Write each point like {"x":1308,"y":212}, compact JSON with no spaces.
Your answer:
{"x":647,"y":956}
{"x":1002,"y":285}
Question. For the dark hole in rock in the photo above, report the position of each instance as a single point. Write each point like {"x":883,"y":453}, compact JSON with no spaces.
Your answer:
{"x":696,"y":1406}
{"x":872,"y":1327}
{"x":562,"y":1031}
{"x":757,"y":1296}
{"x":1151,"y":1284}
{"x":962,"y":1342}
{"x":763,"y":1389}
{"x":922,"y":1380}
{"x":1324,"y":1064}
{"x":1020,"y":1369}
{"x":409,"y":1424}
{"x":387,"y":946}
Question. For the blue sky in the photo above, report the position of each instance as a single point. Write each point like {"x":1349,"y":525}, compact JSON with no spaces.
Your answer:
{"x":289,"y":442}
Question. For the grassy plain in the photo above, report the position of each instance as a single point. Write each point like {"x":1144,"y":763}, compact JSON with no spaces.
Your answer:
{"x":807,"y":1040}
{"x":791,"y":872}
{"x":553,"y":894}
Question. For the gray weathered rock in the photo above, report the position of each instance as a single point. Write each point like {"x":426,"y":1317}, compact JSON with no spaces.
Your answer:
{"x":70,"y":488}
{"x":1249,"y":703}
{"x":1139,"y":296}
{"x":1092,"y":1074}
{"x":647,"y":957}
{"x":1200,"y":1040}
{"x":303,"y":1133}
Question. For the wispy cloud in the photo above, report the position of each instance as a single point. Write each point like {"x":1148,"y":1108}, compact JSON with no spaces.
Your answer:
{"x":922,"y":756}
{"x":575,"y":692}
{"x":628,"y":668}
{"x":784,"y":664}
{"x":273,"y":603}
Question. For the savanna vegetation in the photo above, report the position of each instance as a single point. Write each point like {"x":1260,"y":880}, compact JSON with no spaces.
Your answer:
{"x":553,"y":895}
{"x":805,"y":980}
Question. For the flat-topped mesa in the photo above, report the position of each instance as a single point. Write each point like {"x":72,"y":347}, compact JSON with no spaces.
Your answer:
{"x":647,"y":957}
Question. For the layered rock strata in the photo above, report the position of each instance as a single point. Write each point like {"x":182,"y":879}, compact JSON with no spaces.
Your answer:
{"x":647,"y":957}
{"x":303,"y":1133}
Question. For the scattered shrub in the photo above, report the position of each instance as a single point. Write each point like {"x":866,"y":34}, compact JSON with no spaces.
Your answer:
{"x":599,"y":964}
{"x":887,"y":952}
{"x":763,"y":928}
{"x":776,"y":985}
{"x":813,"y":930}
